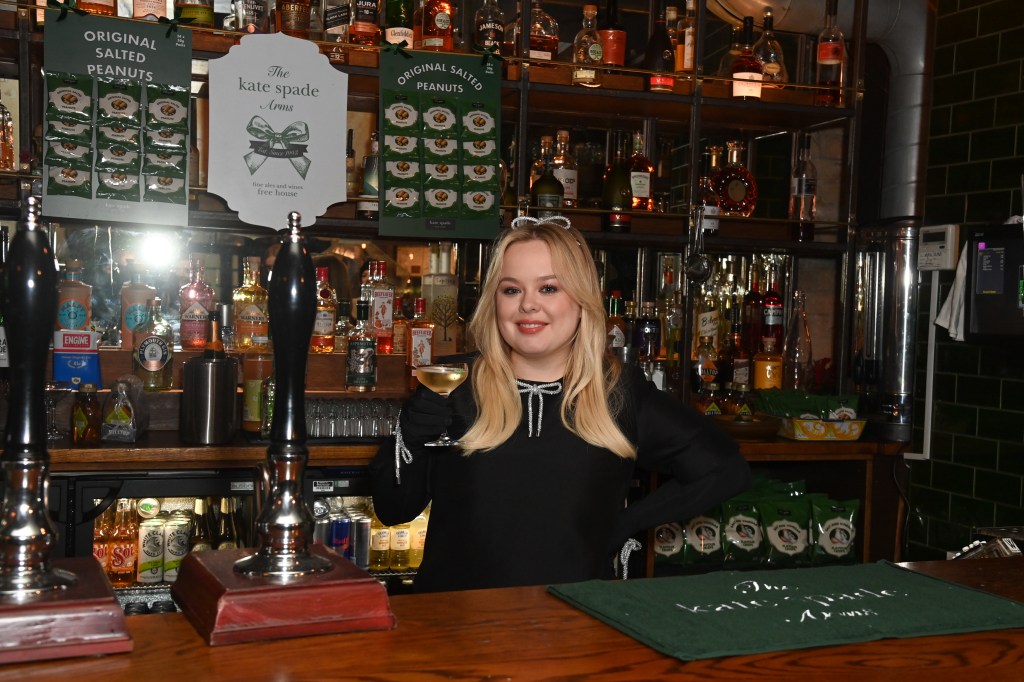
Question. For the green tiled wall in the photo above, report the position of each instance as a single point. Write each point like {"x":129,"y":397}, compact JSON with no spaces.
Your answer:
{"x":975,"y":160}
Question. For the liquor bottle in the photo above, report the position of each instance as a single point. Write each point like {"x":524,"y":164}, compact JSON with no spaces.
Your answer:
{"x":686,"y":39}
{"x":380,"y":545}
{"x":74,"y":299}
{"x":195,"y":303}
{"x":253,"y":16}
{"x":227,"y":532}
{"x":343,"y":326}
{"x":735,"y":48}
{"x":771,"y":308}
{"x":382,"y":307}
{"x":86,"y":416}
{"x":337,"y":18}
{"x":437,"y":25}
{"x":200,"y":11}
{"x":747,"y":73}
{"x":149,"y":9}
{"x":322,"y":340}
{"x":613,"y":36}
{"x":587,"y":53}
{"x":398,"y":17}
{"x":106,"y":8}
{"x":617,"y":192}
{"x":803,"y":191}
{"x":563,"y":167}
{"x":256,"y":367}
{"x":512,"y":38}
{"x":647,"y":333}
{"x":830,"y":65}
{"x":369,"y":208}
{"x":352,"y":183}
{"x":543,"y":155}
{"x":8,"y":155}
{"x":737,"y":188}
{"x":671,"y":24}
{"x":675,"y":314}
{"x":707,"y":197}
{"x":640,"y":171}
{"x":659,"y":57}
{"x":666,"y":301}
{"x":122,"y":548}
{"x":768,"y":51}
{"x":767,"y":366}
{"x":420,"y":347}
{"x":708,"y":317}
{"x":252,"y":316}
{"x":361,"y":375}
{"x":401,"y":536}
{"x":364,"y":29}
{"x":417,"y":539}
{"x":153,"y":357}
{"x":400,"y":327}
{"x":202,"y":537}
{"x":752,"y":314}
{"x":708,"y":399}
{"x":316,"y":20}
{"x":705,"y":362}
{"x":214,"y":348}
{"x":102,"y":531}
{"x":543,"y":33}
{"x":733,"y":360}
{"x":797,"y":363}
{"x":135,"y":298}
{"x":547,"y":193}
{"x":488,"y":27}
{"x":615,"y":325}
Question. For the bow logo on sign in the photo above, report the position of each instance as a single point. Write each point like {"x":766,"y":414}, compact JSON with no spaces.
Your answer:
{"x":273,"y":145}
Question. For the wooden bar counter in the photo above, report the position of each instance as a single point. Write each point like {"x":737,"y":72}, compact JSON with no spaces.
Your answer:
{"x":528,"y":634}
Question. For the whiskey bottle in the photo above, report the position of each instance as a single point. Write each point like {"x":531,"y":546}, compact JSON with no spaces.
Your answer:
{"x":489,"y":27}
{"x":200,"y":11}
{"x":708,"y":317}
{"x":563,"y":167}
{"x":735,"y":47}
{"x":587,"y":53}
{"x":398,"y":17}
{"x":543,"y":33}
{"x":707,"y":198}
{"x":747,"y":72}
{"x":100,"y":7}
{"x":768,"y":51}
{"x":361,"y":375}
{"x":153,"y":357}
{"x":195,"y":303}
{"x":803,"y":191}
{"x":737,"y":188}
{"x":659,"y":57}
{"x":364,"y":29}
{"x":419,"y":348}
{"x":686,"y":39}
{"x":830,"y":63}
{"x":337,"y":17}
{"x":617,"y":192}
{"x":545,"y":152}
{"x":437,"y":27}
{"x":640,"y":171}
{"x":252,"y":316}
{"x":322,"y":340}
{"x":671,"y":22}
{"x":613,"y":36}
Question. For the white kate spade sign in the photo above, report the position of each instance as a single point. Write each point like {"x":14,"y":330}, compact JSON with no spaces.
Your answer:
{"x":278,"y":113}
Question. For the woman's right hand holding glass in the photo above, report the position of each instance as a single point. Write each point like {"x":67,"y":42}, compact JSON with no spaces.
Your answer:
{"x":424,"y":417}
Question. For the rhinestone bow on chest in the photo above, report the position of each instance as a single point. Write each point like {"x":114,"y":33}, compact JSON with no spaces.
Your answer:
{"x":537,"y":391}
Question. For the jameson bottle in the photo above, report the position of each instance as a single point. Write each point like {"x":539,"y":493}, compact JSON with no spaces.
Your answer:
{"x":640,"y":173}
{"x":154,"y":350}
{"x":489,"y":27}
{"x":195,"y":303}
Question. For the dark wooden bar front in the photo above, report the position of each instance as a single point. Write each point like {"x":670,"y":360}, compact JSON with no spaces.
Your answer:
{"x":527,"y":634}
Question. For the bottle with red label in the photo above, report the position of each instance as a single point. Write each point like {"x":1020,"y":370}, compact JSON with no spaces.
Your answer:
{"x":830,"y":67}
{"x":771,"y":309}
{"x":326,"y":317}
{"x":659,"y":58}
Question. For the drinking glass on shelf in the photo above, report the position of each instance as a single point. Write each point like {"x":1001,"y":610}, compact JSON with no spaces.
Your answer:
{"x":442,"y":379}
{"x":55,"y":391}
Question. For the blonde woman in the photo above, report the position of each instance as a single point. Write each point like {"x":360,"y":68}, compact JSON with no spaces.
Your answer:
{"x":553,"y":431}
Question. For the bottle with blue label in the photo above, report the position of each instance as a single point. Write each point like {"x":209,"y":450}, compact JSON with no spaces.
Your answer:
{"x":74,"y":299}
{"x":135,"y":298}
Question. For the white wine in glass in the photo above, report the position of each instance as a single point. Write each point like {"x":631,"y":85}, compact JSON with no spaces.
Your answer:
{"x":442,"y":380}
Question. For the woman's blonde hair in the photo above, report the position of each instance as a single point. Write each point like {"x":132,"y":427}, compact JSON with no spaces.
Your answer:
{"x":591,"y":376}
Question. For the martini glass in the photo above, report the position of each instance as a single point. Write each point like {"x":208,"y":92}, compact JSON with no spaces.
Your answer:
{"x":442,"y":379}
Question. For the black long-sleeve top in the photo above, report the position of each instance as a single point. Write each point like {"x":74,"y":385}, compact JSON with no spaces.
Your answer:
{"x":550,"y":508}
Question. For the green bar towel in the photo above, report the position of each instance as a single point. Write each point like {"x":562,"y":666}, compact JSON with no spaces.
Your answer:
{"x":730,"y":613}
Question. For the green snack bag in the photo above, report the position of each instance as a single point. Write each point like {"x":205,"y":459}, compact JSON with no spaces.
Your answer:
{"x":786,"y":529}
{"x":167,"y":106}
{"x":69,"y":182}
{"x":118,"y":186}
{"x":703,"y":535}
{"x":118,"y":101}
{"x":668,"y":543}
{"x":743,"y":542}
{"x":833,"y":529}
{"x":69,"y":97}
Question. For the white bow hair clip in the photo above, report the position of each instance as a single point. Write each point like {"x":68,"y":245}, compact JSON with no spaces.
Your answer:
{"x":526,"y":221}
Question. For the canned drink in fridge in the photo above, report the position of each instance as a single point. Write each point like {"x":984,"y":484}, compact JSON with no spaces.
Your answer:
{"x":176,"y":532}
{"x":151,"y":551}
{"x":361,"y":541}
{"x":341,"y":533}
{"x":321,"y":522}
